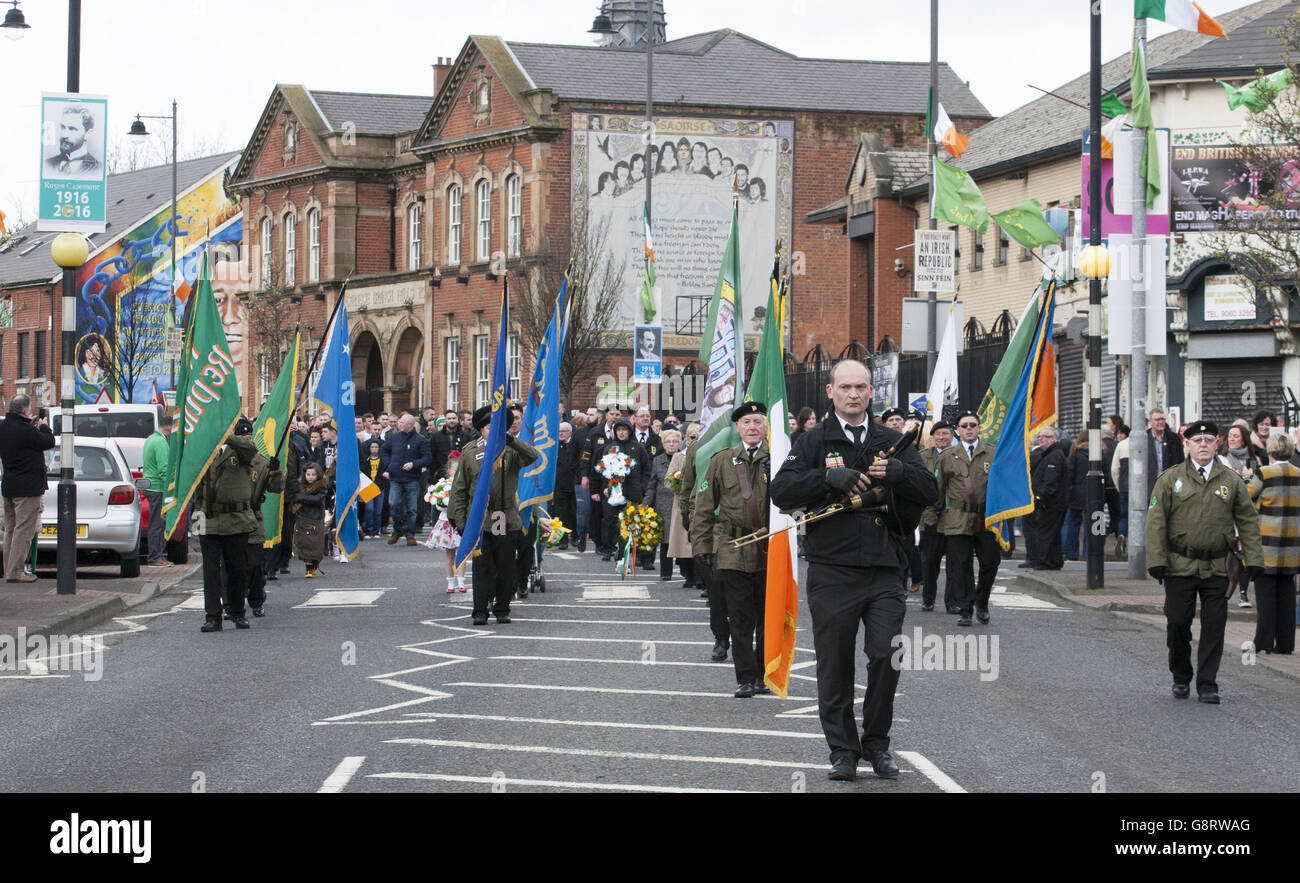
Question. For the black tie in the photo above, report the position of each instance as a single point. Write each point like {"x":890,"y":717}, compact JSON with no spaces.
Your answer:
{"x":970,"y":452}
{"x":1204,"y":473}
{"x":857,"y":435}
{"x":751,"y":452}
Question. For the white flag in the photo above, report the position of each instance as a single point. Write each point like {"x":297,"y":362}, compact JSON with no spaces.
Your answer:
{"x":943,"y":385}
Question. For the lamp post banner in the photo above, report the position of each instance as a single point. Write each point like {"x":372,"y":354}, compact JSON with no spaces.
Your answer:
{"x":73,"y":173}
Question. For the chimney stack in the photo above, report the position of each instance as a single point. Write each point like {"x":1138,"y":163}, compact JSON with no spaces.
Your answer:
{"x":440,"y":71}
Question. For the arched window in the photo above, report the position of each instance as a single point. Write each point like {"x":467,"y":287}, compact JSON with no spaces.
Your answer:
{"x":313,"y":245}
{"x":413,"y":225}
{"x":290,"y":248}
{"x":266,"y":252}
{"x":515,"y":215}
{"x":484,"y":217}
{"x":453,"y":224}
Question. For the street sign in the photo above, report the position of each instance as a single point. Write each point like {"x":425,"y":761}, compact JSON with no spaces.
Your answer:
{"x":935,"y":264}
{"x":647,"y":353}
{"x":173,"y":344}
{"x":73,"y":188}
{"x":916,"y":323}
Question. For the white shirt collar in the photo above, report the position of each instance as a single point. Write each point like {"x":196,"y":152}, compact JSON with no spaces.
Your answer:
{"x":847,"y":427}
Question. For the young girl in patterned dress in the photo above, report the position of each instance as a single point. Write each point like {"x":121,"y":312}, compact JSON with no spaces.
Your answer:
{"x":444,"y":536}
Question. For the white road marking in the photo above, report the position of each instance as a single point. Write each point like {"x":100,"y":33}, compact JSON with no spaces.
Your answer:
{"x":798,"y":665}
{"x":395,"y":705}
{"x":342,"y":598}
{"x":433,"y":717}
{"x":497,"y":637}
{"x":603,"y":661}
{"x":615,"y":593}
{"x":546,"y":783}
{"x":926,"y":768}
{"x":597,"y":752}
{"x":619,"y":690}
{"x":687,"y":622}
{"x":342,"y":774}
{"x":193,"y":602}
{"x":1015,"y":601}
{"x":800,"y":712}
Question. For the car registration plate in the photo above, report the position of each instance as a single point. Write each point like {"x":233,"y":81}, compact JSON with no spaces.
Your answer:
{"x":52,"y":530}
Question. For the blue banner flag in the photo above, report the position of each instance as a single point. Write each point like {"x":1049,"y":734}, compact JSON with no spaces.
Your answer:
{"x":1009,"y":492}
{"x":334,"y":391}
{"x":542,"y":417}
{"x":472,"y":536}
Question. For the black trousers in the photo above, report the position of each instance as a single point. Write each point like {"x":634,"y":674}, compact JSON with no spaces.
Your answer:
{"x":745,"y":594}
{"x":566,"y":509}
{"x":706,"y":577}
{"x":839,"y":599}
{"x":1275,"y":607}
{"x":596,"y":525}
{"x":665,"y":563}
{"x":494,"y":573}
{"x":256,"y":585}
{"x":932,"y":551}
{"x":1047,"y":539}
{"x":614,"y":543}
{"x":687,"y":568}
{"x":962,"y":549}
{"x":1180,"y":608}
{"x":231,"y":553}
{"x":1029,"y":529}
{"x":523,"y":559}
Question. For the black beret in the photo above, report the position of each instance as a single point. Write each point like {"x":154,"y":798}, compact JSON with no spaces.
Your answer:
{"x":1200,"y":427}
{"x":482,"y":417}
{"x":942,"y":424}
{"x":748,"y":408}
{"x":964,"y":414}
{"x":893,"y":412}
{"x":243,"y":426}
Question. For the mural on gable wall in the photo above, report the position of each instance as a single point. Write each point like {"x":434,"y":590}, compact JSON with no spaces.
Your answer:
{"x":126,"y":300}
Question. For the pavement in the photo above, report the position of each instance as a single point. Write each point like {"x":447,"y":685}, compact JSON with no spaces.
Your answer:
{"x":1142,"y":601}
{"x":101,"y":593}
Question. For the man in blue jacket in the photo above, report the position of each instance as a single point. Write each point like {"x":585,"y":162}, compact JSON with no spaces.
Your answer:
{"x":408,"y":454}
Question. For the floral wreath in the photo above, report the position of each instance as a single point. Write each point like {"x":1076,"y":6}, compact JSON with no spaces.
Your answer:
{"x":642,"y":525}
{"x":614,"y":467}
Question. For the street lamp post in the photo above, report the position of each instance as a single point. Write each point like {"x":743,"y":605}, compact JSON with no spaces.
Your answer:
{"x":138,"y":130}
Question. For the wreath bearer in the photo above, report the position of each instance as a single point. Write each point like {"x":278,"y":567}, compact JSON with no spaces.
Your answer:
{"x":732,"y":503}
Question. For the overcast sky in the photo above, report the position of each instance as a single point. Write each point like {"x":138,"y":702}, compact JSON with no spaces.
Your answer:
{"x":219,"y":60}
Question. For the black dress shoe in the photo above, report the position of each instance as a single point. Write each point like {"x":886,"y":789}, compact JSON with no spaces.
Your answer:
{"x":720,"y":648}
{"x":955,"y":611}
{"x":884,"y":765}
{"x":761,"y":689}
{"x":1027,"y":565}
{"x":982,"y":614}
{"x":258,"y":611}
{"x":239,"y":621}
{"x":1181,"y":691}
{"x":744,"y":691}
{"x":704,"y":594}
{"x":503,"y":618}
{"x":284,"y":570}
{"x":271,"y":576}
{"x":964,"y":620}
{"x":845,"y":769}
{"x":480,"y":619}
{"x":1209,"y":697}
{"x":604,"y":558}
{"x":211,"y":624}
{"x":927,"y":607}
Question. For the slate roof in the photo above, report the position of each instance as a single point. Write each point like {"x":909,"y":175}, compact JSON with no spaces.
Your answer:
{"x":373,"y":114}
{"x":132,"y":197}
{"x":728,"y":69}
{"x":1251,"y":48}
{"x":909,"y":166}
{"x":1048,"y":127}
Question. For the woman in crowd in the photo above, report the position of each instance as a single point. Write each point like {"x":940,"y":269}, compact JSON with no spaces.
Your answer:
{"x":374,"y":466}
{"x":1261,"y":424}
{"x":1078,"y":471}
{"x":445,"y":537}
{"x":1275,"y":488}
{"x":1237,"y":454}
{"x":309,"y":509}
{"x":679,"y":540}
{"x":1119,"y":474}
{"x":631,"y":485}
{"x":661,"y":497}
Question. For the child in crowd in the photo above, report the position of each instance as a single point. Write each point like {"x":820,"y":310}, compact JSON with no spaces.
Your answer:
{"x":309,"y":528}
{"x":444,"y":536}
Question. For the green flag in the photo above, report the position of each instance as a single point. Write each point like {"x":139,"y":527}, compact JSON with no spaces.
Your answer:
{"x":648,"y":284}
{"x":268,"y":430}
{"x":1112,"y":107}
{"x":207,"y":395}
{"x":957,"y":199}
{"x":1026,"y":225}
{"x":723,"y":350}
{"x":1140,"y":118}
{"x":1257,"y":94}
{"x":767,"y":383}
{"x":1002,"y":388}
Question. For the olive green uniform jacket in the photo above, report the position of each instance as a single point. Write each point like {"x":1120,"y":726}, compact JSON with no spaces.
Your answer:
{"x":1200,"y":516}
{"x":504,"y":496}
{"x":226,"y":489}
{"x":930,"y":517}
{"x":721,"y":513}
{"x":958,"y":516}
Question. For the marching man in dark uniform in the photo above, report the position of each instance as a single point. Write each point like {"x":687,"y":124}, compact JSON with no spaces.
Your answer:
{"x":703,"y":572}
{"x":1198,"y":507}
{"x":266,"y":476}
{"x":857,"y":562}
{"x":223,"y":499}
{"x":733,"y":503}
{"x":494,"y":566}
{"x":931,"y":544}
{"x":963,"y":476}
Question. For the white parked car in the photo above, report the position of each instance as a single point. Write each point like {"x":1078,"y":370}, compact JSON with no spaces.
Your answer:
{"x":108,"y":505}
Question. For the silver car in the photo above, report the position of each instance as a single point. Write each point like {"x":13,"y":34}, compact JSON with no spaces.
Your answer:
{"x":108,"y":504}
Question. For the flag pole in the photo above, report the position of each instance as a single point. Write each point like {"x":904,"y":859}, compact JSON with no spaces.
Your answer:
{"x":931,"y":297}
{"x":1138,"y":478}
{"x":1096,"y":548}
{"x":314,"y":359}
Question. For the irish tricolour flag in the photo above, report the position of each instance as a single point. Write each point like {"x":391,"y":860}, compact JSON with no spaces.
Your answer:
{"x":1181,"y":14}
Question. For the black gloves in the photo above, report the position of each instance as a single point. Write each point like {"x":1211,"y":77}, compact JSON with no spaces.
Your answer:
{"x":275,"y":464}
{"x":1253,"y":572}
{"x":843,"y":479}
{"x":686,"y":521}
{"x":708,"y":558}
{"x":1157,"y":573}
